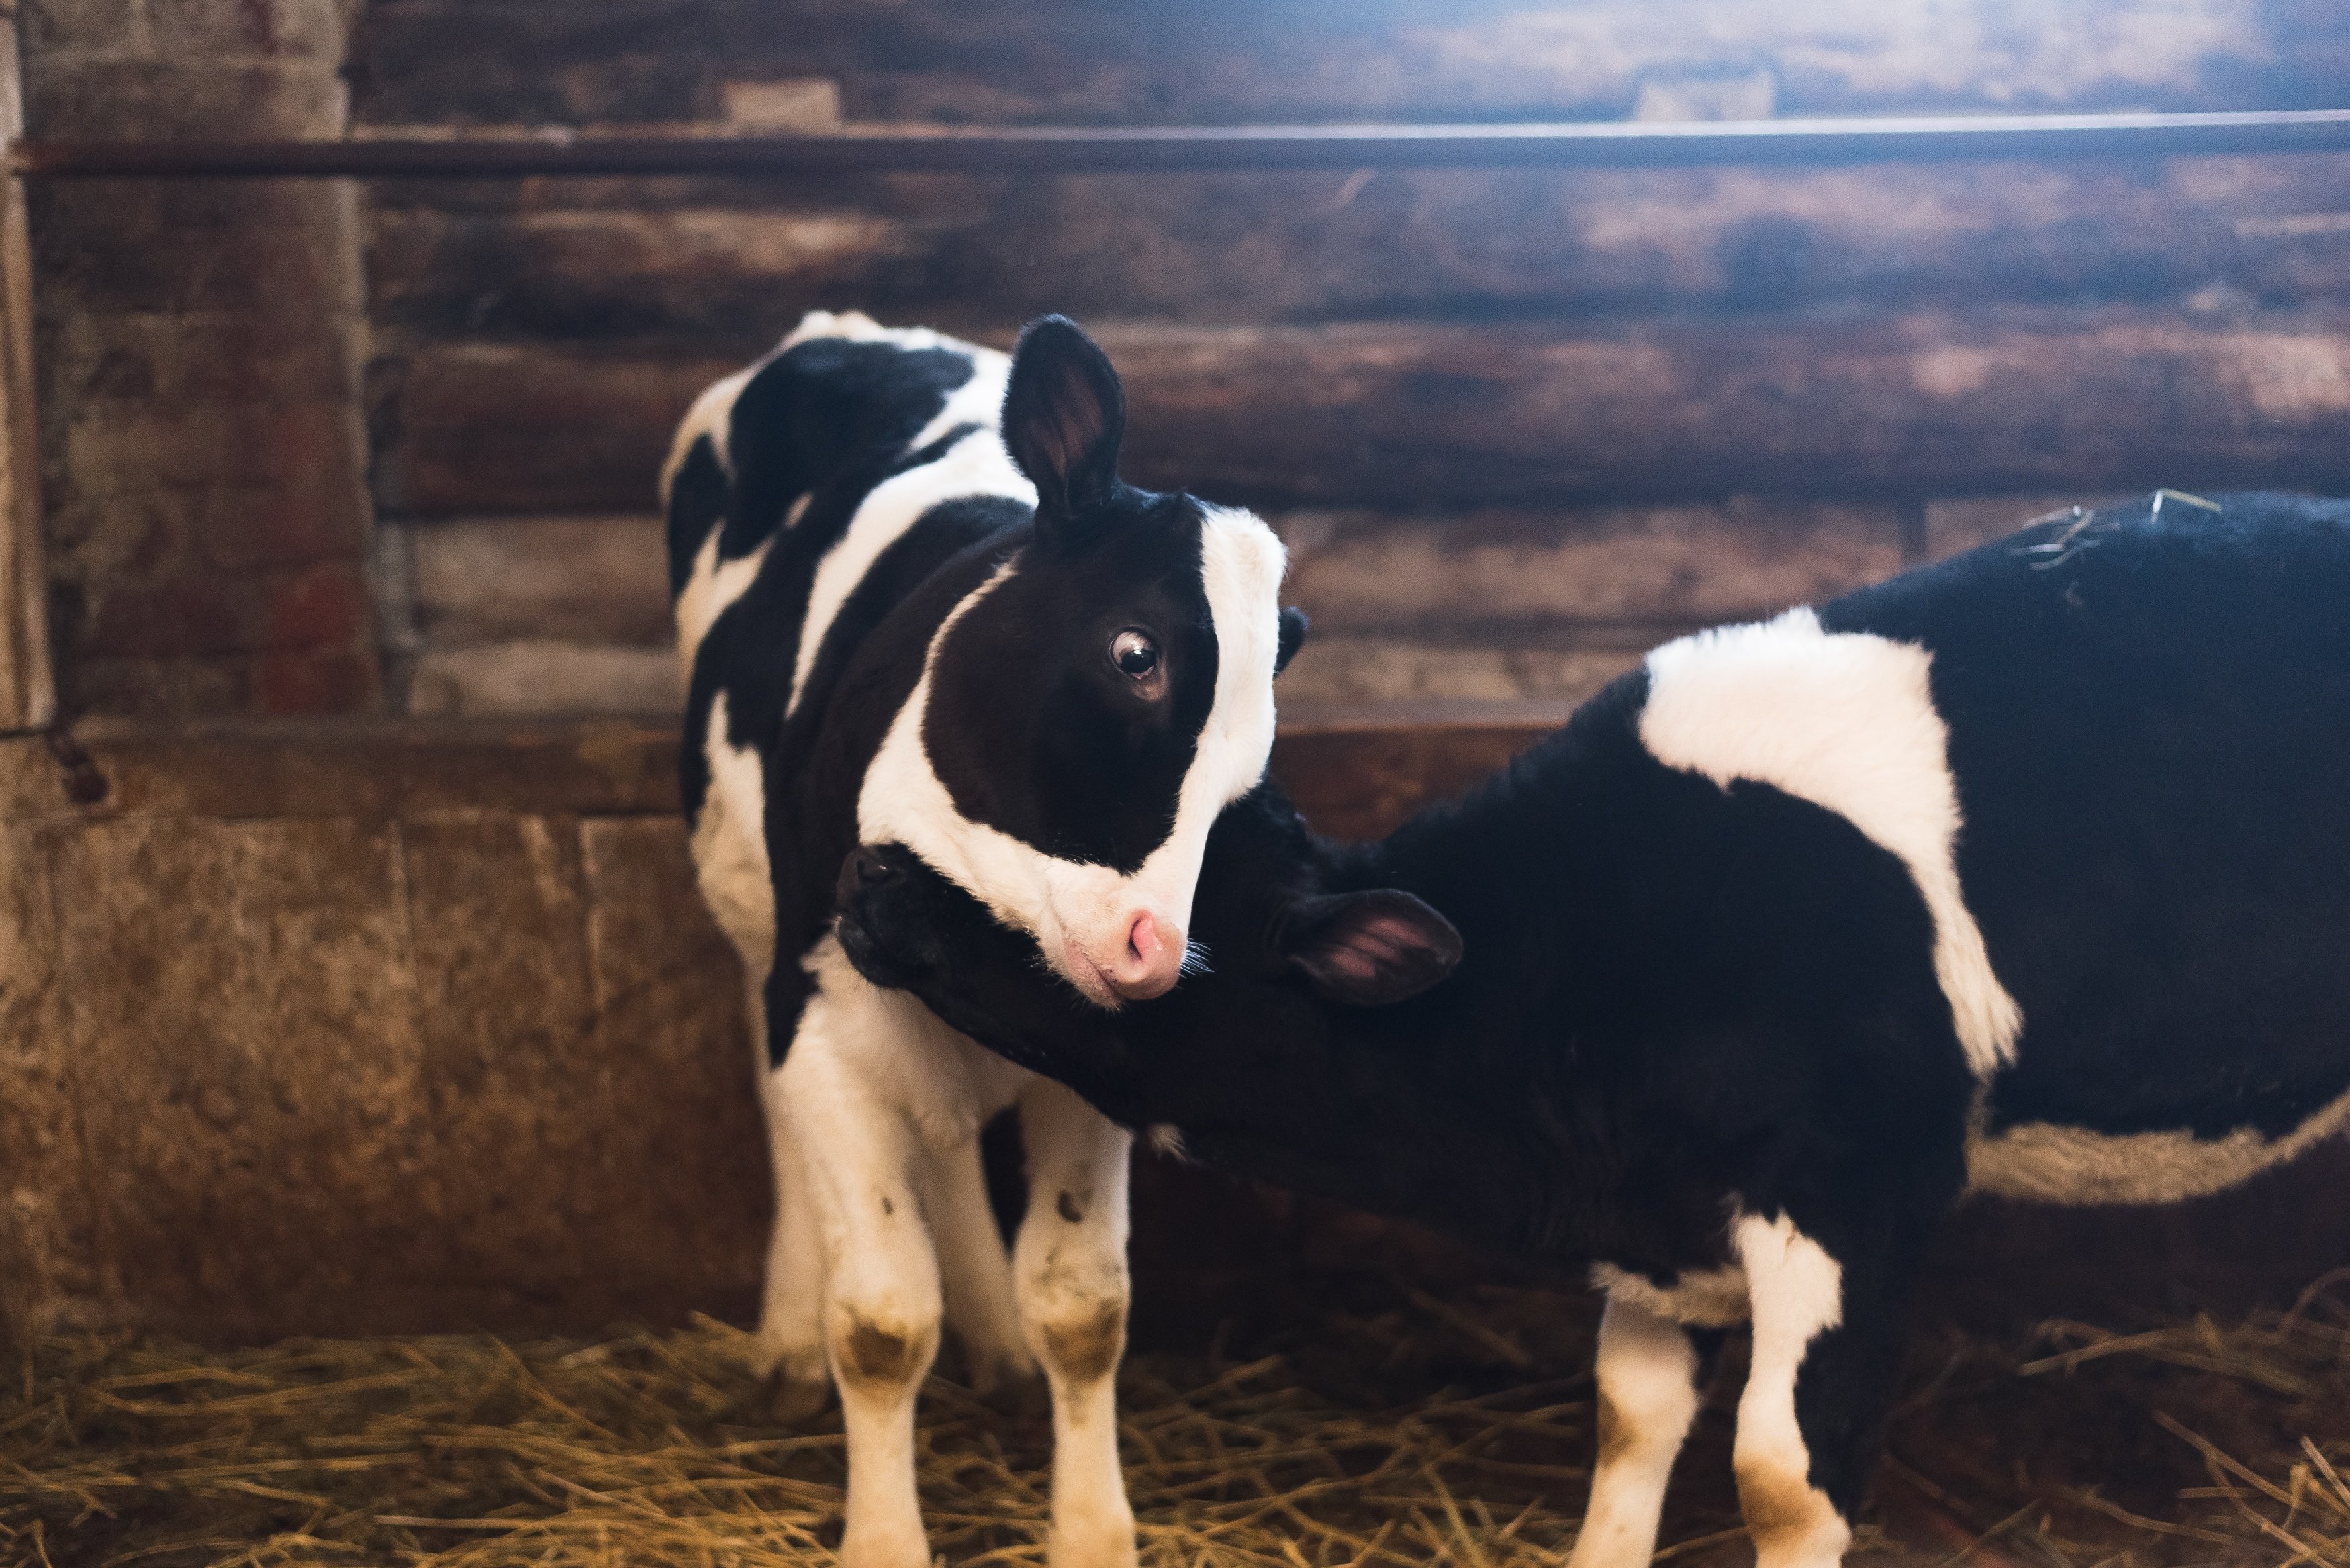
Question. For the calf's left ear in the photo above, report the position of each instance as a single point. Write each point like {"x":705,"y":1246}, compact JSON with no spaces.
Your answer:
{"x":1369,"y":949}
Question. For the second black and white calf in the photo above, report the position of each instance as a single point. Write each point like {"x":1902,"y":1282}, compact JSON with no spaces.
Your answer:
{"x":2028,"y":872}
{"x":907,"y":622}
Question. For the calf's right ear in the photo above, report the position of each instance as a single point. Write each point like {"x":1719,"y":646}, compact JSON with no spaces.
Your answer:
{"x":1294,"y":625}
{"x":1369,"y":949}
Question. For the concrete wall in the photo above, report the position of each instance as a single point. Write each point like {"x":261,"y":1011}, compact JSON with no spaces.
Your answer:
{"x":348,"y":1031}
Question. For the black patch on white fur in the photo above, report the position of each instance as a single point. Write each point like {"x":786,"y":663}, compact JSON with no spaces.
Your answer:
{"x":697,"y":500}
{"x":820,"y":410}
{"x":1032,"y":727}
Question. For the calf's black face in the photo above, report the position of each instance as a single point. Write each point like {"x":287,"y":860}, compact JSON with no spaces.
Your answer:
{"x":1086,"y":712}
{"x":1282,"y":957}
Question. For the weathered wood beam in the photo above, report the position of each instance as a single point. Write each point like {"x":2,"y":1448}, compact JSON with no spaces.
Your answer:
{"x":600,"y":260}
{"x":27,"y":686}
{"x":1393,"y":413}
{"x":1144,"y":150}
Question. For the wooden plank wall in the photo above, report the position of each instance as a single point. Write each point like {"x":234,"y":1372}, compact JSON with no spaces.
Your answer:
{"x":1516,"y":426}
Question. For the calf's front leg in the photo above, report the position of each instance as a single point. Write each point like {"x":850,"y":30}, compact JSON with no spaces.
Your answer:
{"x":1069,"y":1270}
{"x":882,"y":1302}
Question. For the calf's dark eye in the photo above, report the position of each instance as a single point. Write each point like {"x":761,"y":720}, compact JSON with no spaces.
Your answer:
{"x":1134,"y":653}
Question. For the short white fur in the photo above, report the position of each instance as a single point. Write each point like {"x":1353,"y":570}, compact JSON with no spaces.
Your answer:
{"x":1647,"y":1372}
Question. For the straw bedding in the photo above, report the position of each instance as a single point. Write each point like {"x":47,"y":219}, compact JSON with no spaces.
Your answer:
{"x":1386,"y":1428}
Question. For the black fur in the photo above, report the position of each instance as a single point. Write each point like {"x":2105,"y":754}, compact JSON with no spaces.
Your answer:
{"x":2150,"y":718}
{"x":1675,"y":997}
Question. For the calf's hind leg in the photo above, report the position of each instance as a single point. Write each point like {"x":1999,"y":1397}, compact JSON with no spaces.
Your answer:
{"x":1069,"y":1267}
{"x":1647,"y":1372}
{"x":981,"y":1307}
{"x":791,"y":1316}
{"x":1827,"y":1361}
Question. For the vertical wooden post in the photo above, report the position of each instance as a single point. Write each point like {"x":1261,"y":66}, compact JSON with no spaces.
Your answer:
{"x":28,"y":683}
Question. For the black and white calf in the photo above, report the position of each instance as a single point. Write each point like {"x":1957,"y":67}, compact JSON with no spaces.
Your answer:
{"x":2028,"y":872}
{"x":908,"y":622}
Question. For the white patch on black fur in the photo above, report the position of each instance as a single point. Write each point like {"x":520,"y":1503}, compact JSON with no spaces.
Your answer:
{"x":729,"y":844}
{"x":715,"y":585}
{"x":1647,"y":1372}
{"x":1846,"y":721}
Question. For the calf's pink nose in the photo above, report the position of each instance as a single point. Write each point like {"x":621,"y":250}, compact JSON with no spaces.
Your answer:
{"x":1149,"y":961}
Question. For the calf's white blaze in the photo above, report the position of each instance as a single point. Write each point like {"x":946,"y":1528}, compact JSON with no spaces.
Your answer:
{"x":1063,"y":901}
{"x":1845,"y":721}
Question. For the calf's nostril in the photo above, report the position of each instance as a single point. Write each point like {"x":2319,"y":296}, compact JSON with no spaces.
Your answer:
{"x":864,"y":871}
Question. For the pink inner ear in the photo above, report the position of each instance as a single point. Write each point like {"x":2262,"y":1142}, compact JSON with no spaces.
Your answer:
{"x":1378,"y":941}
{"x":1352,"y":961}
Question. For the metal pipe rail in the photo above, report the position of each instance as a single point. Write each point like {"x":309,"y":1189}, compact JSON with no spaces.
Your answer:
{"x":1130,"y":150}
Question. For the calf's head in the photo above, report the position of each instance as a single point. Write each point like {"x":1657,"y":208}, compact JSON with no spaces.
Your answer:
{"x":1083,"y":715}
{"x":1289,"y":966}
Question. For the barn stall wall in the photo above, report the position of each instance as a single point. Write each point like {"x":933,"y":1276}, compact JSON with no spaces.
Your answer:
{"x":408,"y":1017}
